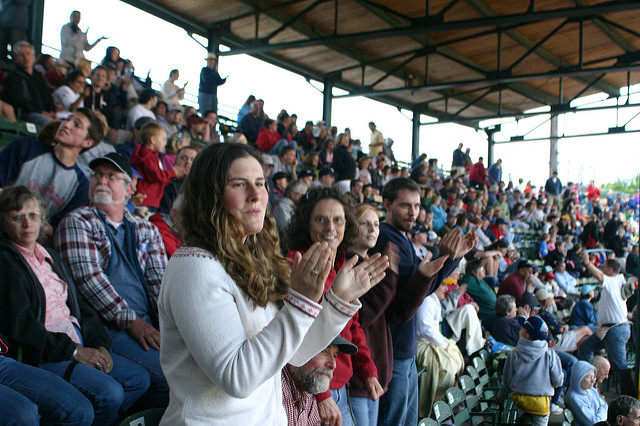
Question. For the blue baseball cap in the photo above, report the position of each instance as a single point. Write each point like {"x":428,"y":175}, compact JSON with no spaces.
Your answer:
{"x":535,"y":326}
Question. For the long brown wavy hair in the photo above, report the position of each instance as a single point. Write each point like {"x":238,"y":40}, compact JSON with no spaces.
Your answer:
{"x":257,"y":265}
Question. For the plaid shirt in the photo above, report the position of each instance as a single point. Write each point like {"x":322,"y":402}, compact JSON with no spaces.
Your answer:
{"x":83,"y":243}
{"x":301,"y":407}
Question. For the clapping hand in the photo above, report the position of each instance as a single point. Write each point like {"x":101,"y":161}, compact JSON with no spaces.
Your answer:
{"x":354,"y":281}
{"x":429,"y":269}
{"x":310,"y":272}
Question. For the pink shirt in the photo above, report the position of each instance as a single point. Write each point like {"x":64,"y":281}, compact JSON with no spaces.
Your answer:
{"x":58,"y":318}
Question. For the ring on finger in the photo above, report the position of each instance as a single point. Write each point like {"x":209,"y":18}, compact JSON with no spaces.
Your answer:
{"x":314,"y":272}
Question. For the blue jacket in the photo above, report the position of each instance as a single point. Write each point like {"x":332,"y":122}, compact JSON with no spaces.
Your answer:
{"x":583,"y":314}
{"x":458,"y":158}
{"x":209,"y":81}
{"x":494,"y":173}
{"x":404,"y":334}
{"x":553,"y":188}
{"x":587,"y":406}
{"x":506,"y":330}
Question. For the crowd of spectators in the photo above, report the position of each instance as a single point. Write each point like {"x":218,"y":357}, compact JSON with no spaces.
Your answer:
{"x":90,"y":215}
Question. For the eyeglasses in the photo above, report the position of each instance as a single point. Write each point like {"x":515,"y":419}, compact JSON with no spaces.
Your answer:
{"x":110,"y":176}
{"x":18,"y":219}
{"x":324,"y":221}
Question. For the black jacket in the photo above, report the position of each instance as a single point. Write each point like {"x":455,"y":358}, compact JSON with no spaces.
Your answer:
{"x":27,"y":93}
{"x":343,"y":164}
{"x":22,"y":311}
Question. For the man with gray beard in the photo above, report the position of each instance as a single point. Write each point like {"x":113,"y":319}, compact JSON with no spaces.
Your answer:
{"x":117,"y":260}
{"x":300,"y":383}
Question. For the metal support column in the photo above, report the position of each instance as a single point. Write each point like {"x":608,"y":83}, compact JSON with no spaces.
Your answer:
{"x":415,"y":135}
{"x":327,"y":99}
{"x":37,"y":21}
{"x":491,"y":141}
{"x":553,"y":145}
{"x":214,"y":44}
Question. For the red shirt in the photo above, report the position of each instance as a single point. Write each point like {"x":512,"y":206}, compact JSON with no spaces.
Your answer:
{"x":513,"y":285}
{"x":154,"y":178}
{"x":170,"y":240}
{"x":346,"y":365}
{"x":267,"y":140}
{"x":477,"y":173}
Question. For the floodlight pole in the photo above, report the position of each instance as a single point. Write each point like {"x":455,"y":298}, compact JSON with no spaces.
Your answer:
{"x":327,"y":99}
{"x":415,"y":134}
{"x":553,"y":145}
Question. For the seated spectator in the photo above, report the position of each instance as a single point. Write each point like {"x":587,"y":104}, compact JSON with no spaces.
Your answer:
{"x":326,"y":178}
{"x":55,"y":76}
{"x":286,"y":162}
{"x":7,"y":112}
{"x":556,"y":256}
{"x":567,"y":340}
{"x":419,"y":239}
{"x":481,"y":292}
{"x":133,"y":141}
{"x":440,"y":356}
{"x":633,"y":262}
{"x":174,"y":117}
{"x":306,"y":176}
{"x":543,"y":249}
{"x":52,"y":170}
{"x":603,"y":366}
{"x":250,"y":124}
{"x":531,"y":373}
{"x":25,"y":90}
{"x":306,"y":139}
{"x":582,"y":398}
{"x":70,"y":96}
{"x":146,"y":102}
{"x":42,"y":313}
{"x":118,"y":260}
{"x":167,"y":224}
{"x":270,"y":141}
{"x":171,"y":92}
{"x":184,"y":158}
{"x":197,"y":129}
{"x":145,"y":160}
{"x":325,"y":155}
{"x":583,"y":312}
{"x":506,"y":326}
{"x":175,"y":143}
{"x":516,"y":283}
{"x":283,"y":211}
{"x":211,"y":117}
{"x":624,"y":411}
{"x":575,"y":265}
{"x":280,"y":183}
{"x":565,"y":280}
{"x":299,"y":384}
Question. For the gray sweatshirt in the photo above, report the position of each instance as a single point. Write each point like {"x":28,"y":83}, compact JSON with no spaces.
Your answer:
{"x":531,"y":369}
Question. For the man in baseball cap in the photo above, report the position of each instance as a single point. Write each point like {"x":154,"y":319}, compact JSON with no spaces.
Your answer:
{"x":300,"y":383}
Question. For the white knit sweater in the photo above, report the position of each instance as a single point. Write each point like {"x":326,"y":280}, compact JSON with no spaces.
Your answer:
{"x":222,"y":355}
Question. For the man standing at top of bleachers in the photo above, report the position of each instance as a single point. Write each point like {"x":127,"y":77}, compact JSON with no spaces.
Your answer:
{"x":26,"y":90}
{"x":50,"y":170}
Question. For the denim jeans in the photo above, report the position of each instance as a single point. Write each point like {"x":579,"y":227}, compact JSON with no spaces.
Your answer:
{"x":342,"y":400}
{"x":365,"y":410}
{"x":26,"y":391}
{"x":567,"y":362}
{"x":207,"y":102}
{"x":126,"y":346}
{"x":615,"y":342}
{"x":106,"y":395}
{"x":275,"y":150}
{"x":399,"y":406}
{"x":525,"y":418}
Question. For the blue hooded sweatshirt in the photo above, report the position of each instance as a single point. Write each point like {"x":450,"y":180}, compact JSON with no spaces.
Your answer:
{"x":587,"y":406}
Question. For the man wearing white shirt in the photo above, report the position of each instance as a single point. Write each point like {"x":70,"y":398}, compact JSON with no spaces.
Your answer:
{"x":565,"y":280}
{"x":146,"y":102}
{"x":614,"y":331}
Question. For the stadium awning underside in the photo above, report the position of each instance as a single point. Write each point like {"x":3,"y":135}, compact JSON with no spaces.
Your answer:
{"x":459,"y":61}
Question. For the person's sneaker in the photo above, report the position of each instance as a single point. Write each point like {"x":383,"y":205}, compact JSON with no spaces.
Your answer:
{"x":556,"y":410}
{"x":560,"y":402}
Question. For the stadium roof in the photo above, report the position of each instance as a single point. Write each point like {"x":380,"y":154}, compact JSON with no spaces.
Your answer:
{"x":459,"y":61}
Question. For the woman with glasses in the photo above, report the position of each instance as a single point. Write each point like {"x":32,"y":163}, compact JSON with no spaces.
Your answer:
{"x":325,"y":215}
{"x":47,"y":322}
{"x":71,"y":94}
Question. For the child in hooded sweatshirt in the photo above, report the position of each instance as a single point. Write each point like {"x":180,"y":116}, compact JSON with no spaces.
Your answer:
{"x":531,"y":373}
{"x":582,"y":398}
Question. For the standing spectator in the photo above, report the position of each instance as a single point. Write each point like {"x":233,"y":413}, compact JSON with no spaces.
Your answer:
{"x":250,"y":124}
{"x":377,"y":140}
{"x":13,"y":24}
{"x":457,"y":163}
{"x":612,"y":318}
{"x":401,"y":198}
{"x":343,"y":163}
{"x":478,"y":174}
{"x":26,"y":90}
{"x":171,"y":92}
{"x":494,"y":174}
{"x":73,"y":41}
{"x":209,"y":82}
{"x":531,"y":373}
{"x":593,"y":193}
{"x":553,"y":189}
{"x":146,"y":102}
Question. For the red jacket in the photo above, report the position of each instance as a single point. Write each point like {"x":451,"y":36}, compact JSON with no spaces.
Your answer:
{"x":170,"y":240}
{"x":267,"y":140}
{"x":346,"y":365}
{"x":593,"y":192}
{"x":477,"y":173}
{"x":154,"y":179}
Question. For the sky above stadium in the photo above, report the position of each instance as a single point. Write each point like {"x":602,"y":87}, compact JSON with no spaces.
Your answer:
{"x":160,"y":47}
